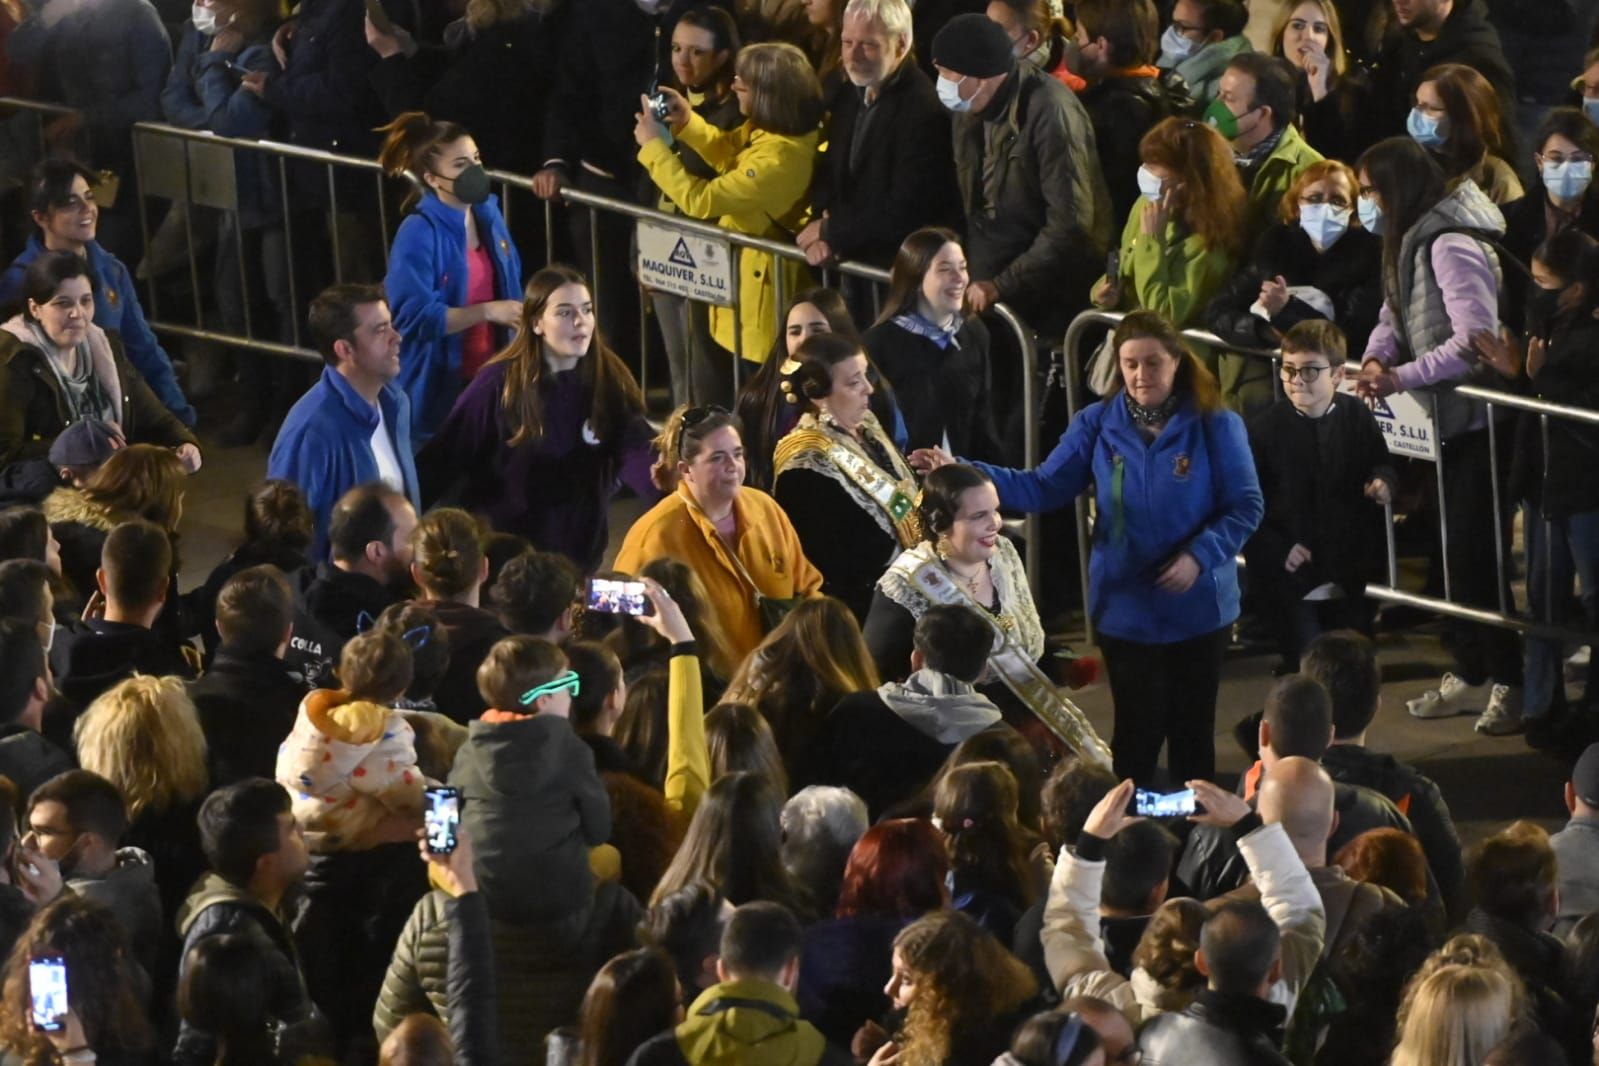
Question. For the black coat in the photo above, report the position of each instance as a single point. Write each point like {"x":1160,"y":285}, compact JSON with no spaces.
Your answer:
{"x":472,"y":632}
{"x":1569,"y":376}
{"x":1466,"y":37}
{"x":494,"y":82}
{"x":1419,"y":797}
{"x":844,"y":965}
{"x":903,"y":173}
{"x":332,"y":601}
{"x":843,"y":541}
{"x":1211,"y":864}
{"x":110,"y":652}
{"x":1123,"y":109}
{"x":1526,"y":227}
{"x":1216,"y":1030}
{"x":201,"y":604}
{"x":325,"y":95}
{"x":1339,"y":125}
{"x":247,"y":705}
{"x":1350,"y":273}
{"x":1313,"y":474}
{"x":609,"y":52}
{"x":29,"y":759}
{"x":940,"y":390}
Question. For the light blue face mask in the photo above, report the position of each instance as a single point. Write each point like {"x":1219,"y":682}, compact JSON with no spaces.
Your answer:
{"x":1591,"y":109}
{"x":949,"y":94}
{"x":1370,"y":215}
{"x":1149,"y":185}
{"x":1427,"y":131}
{"x":1568,"y":179}
{"x":1323,"y":223}
{"x":1174,"y":47}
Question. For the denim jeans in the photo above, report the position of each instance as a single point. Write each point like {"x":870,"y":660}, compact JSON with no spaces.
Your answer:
{"x":1557,"y":551}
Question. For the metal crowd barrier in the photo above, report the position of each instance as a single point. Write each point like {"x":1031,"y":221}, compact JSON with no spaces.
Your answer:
{"x":197,"y":169}
{"x":1505,"y":618}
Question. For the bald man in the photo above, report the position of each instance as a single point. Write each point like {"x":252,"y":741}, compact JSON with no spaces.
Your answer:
{"x":1299,"y":795}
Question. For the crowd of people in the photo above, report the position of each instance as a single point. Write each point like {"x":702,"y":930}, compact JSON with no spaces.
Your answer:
{"x":793,"y":777}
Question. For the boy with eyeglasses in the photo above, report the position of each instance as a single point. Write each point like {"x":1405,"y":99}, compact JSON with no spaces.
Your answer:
{"x":1325,"y":473}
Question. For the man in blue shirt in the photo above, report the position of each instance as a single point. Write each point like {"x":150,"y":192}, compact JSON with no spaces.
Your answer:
{"x":61,"y":197}
{"x":354,"y":425}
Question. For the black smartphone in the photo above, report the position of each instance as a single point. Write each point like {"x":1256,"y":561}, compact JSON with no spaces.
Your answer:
{"x":611,"y":596}
{"x":1150,"y":804}
{"x":1113,"y":265}
{"x":441,"y":818}
{"x":47,"y":984}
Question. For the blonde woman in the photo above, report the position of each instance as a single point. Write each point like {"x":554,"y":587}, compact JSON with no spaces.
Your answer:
{"x":1454,"y":1016}
{"x":763,"y":177}
{"x":1334,"y":96}
{"x":144,"y":737}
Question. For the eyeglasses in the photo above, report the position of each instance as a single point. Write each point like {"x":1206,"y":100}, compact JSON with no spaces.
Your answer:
{"x":568,"y":680}
{"x":1307,"y":374}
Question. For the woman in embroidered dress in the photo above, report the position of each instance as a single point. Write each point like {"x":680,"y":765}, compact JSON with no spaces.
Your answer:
{"x":844,"y":486}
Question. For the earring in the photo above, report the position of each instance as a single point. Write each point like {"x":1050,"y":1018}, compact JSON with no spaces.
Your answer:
{"x":942,"y":546}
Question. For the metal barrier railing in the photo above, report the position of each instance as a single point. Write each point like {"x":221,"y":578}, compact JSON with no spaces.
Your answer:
{"x":200,"y":172}
{"x":1504,"y":618}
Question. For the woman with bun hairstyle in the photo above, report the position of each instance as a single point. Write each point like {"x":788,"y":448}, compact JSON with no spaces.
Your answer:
{"x":455,"y":280}
{"x":736,"y":538}
{"x":846,"y":488}
{"x":538,"y":441}
{"x":769,"y":413}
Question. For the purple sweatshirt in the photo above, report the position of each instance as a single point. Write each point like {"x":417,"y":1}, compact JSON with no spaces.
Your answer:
{"x":1471,"y":298}
{"x":556,"y":491}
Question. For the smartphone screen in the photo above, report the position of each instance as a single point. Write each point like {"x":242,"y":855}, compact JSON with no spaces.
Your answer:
{"x":442,"y":816}
{"x":47,"y":982}
{"x":1147,"y":804}
{"x":609,"y":596}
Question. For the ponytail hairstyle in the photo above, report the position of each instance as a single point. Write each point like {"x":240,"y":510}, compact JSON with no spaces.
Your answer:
{"x":808,"y":376}
{"x":446,"y":553}
{"x":413,"y":140}
{"x":680,"y":442}
{"x":1039,"y":16}
{"x":975,"y":806}
{"x":617,"y":396}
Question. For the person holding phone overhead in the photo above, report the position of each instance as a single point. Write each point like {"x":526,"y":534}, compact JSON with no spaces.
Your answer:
{"x":538,"y":441}
{"x":735,"y":538}
{"x":1177,"y":494}
{"x":455,"y":278}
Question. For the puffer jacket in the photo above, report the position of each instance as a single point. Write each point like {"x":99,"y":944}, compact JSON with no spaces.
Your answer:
{"x":1216,"y":1030}
{"x":33,"y":410}
{"x":348,"y":763}
{"x":540,"y":971}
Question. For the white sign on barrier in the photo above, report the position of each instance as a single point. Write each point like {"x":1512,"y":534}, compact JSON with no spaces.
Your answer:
{"x":699,"y":268}
{"x":1405,"y":422}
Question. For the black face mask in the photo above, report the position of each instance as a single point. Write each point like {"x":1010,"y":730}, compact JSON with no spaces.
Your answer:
{"x":1542,"y":307}
{"x":471,"y":186}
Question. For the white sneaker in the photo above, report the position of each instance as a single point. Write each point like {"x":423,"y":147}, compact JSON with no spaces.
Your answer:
{"x":1578,"y":663}
{"x":1452,"y":696}
{"x":1503,"y":716}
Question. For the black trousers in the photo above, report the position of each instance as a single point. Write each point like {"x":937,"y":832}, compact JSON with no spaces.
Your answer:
{"x":1165,"y":693}
{"x":1482,"y":652}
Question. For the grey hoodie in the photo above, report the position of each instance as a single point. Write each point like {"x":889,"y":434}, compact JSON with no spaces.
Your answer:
{"x":940,"y":706}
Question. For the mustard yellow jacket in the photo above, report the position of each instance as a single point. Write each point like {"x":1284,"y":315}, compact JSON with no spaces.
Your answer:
{"x":762,"y":189}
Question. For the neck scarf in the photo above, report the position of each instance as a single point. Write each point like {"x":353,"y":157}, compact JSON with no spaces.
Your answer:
{"x":944,"y":336}
{"x":1151,"y":416}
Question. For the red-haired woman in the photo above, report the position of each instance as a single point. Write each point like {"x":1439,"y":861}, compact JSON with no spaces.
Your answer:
{"x":896,"y":873}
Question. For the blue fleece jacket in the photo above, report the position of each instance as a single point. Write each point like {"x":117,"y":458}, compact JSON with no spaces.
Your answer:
{"x":427,"y":277}
{"x":1193,"y":489}
{"x":116,"y":308}
{"x":325,"y":446}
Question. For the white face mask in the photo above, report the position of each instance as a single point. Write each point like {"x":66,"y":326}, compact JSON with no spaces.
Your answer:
{"x":1567,"y":180}
{"x":49,"y":642}
{"x":204,"y":19}
{"x":1150,"y":186}
{"x":1174,"y":47}
{"x":1323,"y":223}
{"x":949,"y":94}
